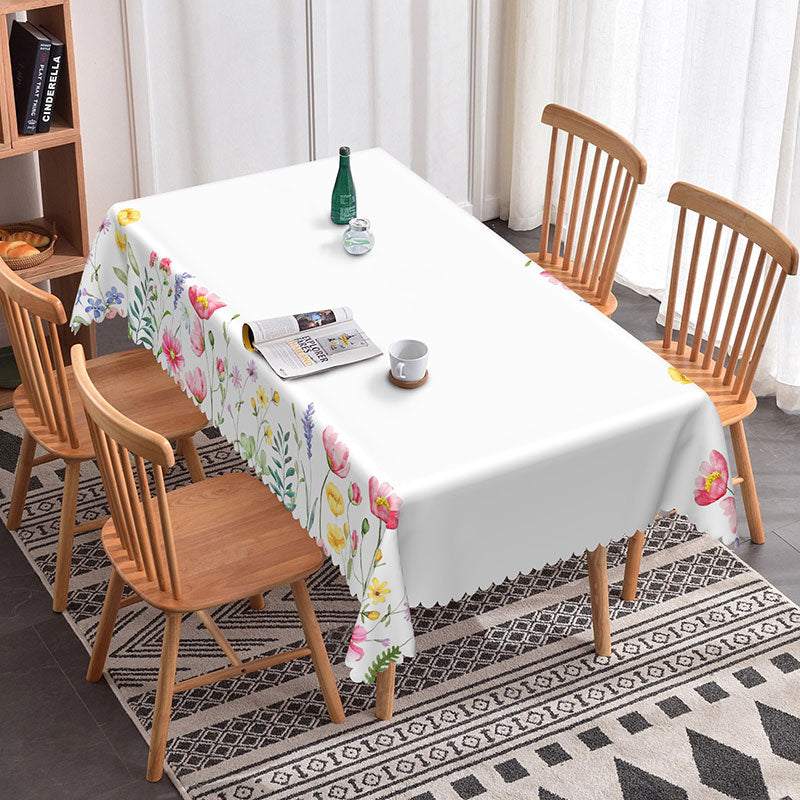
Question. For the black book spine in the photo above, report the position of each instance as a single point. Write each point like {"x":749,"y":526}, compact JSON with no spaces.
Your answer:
{"x":50,"y":85}
{"x":30,"y":52}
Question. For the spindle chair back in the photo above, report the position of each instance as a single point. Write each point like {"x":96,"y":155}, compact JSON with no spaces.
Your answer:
{"x":592,"y":213}
{"x":144,"y":527}
{"x":32,"y":319}
{"x":758,"y":259}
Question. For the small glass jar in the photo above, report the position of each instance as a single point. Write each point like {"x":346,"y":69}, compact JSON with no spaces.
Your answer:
{"x":358,"y":238}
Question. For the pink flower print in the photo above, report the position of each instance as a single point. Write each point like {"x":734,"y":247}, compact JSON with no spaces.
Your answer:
{"x":111,"y":313}
{"x":172,"y":350}
{"x":728,"y":506}
{"x":165,"y":265}
{"x":383,"y":502}
{"x":221,"y":368}
{"x":712,"y":482}
{"x":251,"y":369}
{"x":196,"y":339}
{"x":338,"y":454}
{"x":355,"y":540}
{"x":203,"y":302}
{"x":354,"y":652}
{"x":354,"y":493}
{"x":196,"y":384}
{"x":153,"y":258}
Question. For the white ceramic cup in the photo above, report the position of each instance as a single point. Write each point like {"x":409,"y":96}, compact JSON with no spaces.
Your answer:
{"x":408,"y":359}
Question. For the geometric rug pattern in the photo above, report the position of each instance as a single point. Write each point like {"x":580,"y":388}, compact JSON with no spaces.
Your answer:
{"x":700,"y":697}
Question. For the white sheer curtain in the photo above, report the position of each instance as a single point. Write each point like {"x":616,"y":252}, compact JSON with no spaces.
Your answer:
{"x":708,"y":91}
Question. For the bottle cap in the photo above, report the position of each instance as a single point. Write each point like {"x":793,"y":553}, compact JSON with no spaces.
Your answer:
{"x":344,"y":151}
{"x":359,"y":224}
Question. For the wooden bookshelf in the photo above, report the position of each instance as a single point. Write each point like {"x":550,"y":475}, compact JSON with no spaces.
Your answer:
{"x":60,"y":157}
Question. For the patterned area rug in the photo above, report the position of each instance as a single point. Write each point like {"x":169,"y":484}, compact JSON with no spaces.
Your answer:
{"x":700,"y":698}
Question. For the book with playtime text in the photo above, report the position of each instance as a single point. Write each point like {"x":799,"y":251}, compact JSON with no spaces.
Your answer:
{"x":302,"y":344}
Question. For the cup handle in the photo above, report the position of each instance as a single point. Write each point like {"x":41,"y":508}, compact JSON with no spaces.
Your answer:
{"x":400,"y":367}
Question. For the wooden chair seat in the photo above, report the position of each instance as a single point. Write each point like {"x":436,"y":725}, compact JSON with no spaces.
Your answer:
{"x":586,"y":291}
{"x":728,"y":407}
{"x":225,"y":550}
{"x":134,"y":382}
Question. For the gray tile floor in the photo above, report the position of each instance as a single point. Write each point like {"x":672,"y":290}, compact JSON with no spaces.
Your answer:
{"x":62,"y":737}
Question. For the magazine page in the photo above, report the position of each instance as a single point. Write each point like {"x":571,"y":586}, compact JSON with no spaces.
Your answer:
{"x":255,"y":333}
{"x":315,"y":350}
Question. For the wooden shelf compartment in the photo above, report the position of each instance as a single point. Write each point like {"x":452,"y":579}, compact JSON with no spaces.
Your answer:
{"x":55,"y":16}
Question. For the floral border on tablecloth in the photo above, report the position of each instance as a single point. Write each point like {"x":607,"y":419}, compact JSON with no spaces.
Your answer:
{"x":353,"y":516}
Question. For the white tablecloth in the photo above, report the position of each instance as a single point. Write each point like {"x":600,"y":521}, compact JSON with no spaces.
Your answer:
{"x":543,"y":430}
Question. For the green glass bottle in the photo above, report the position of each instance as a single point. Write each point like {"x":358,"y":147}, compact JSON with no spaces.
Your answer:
{"x":343,"y":200}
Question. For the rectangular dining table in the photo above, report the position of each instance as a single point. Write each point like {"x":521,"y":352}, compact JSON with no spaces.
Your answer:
{"x":543,"y":430}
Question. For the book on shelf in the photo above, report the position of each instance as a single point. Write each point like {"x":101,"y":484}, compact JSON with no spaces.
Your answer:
{"x":54,"y":65}
{"x":30,"y":55}
{"x":302,"y":344}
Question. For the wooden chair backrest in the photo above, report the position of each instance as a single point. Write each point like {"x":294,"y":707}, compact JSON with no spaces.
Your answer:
{"x":32,"y":318}
{"x":147,"y":541}
{"x":597,"y":225}
{"x":747,"y":330}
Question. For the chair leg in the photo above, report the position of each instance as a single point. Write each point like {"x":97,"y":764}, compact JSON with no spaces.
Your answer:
{"x":257,"y":602}
{"x":69,"y":507}
{"x":193,"y":463}
{"x":633,"y":561}
{"x":105,"y":630}
{"x":751,"y":509}
{"x":163,"y":707}
{"x":598,"y":592}
{"x":21,"y":481}
{"x":384,"y":693}
{"x":319,"y":655}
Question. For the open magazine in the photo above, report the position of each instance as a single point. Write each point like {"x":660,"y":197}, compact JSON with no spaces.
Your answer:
{"x":303,"y":344}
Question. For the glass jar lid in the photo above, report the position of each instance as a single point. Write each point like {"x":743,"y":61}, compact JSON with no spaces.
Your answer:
{"x":359,"y":224}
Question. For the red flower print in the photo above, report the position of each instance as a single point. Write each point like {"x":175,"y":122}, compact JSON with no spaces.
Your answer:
{"x":203,"y":302}
{"x":196,"y":338}
{"x":712,"y":482}
{"x":220,"y":368}
{"x":172,"y":350}
{"x":728,"y":506}
{"x":355,"y":652}
{"x":165,"y":265}
{"x":196,"y":383}
{"x":337,"y":453}
{"x":153,"y":258}
{"x":354,"y":493}
{"x":383,"y":502}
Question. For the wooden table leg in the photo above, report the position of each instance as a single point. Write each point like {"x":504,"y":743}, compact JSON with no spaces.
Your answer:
{"x":598,"y":591}
{"x":633,"y":562}
{"x":384,"y":684}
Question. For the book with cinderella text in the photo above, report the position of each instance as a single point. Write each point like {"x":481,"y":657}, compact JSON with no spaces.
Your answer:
{"x":302,"y":344}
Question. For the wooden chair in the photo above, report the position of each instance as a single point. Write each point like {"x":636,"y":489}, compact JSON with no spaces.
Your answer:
{"x":200,"y":546}
{"x":725,"y":371}
{"x":47,"y":402}
{"x":597,"y":222}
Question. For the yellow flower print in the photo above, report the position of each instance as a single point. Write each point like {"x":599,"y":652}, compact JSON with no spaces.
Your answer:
{"x":335,"y":499}
{"x":121,"y":239}
{"x":276,"y":398}
{"x":373,"y":615}
{"x":128,"y":215}
{"x":378,"y":555}
{"x":253,"y":403}
{"x":336,"y":538}
{"x":269,"y":434}
{"x":262,"y":397}
{"x":378,"y":591}
{"x":677,"y":375}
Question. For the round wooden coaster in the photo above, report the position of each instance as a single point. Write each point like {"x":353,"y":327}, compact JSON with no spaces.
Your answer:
{"x":407,"y":384}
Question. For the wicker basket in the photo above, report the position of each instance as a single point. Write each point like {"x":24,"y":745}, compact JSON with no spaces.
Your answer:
{"x":44,"y":252}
